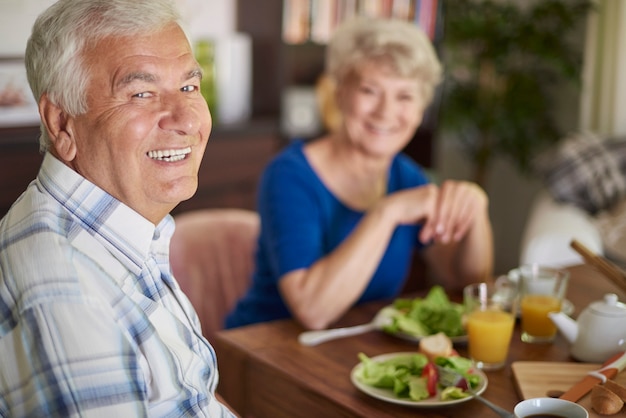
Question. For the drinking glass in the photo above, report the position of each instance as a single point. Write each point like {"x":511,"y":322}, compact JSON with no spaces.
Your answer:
{"x":490,"y":311}
{"x":542,"y":290}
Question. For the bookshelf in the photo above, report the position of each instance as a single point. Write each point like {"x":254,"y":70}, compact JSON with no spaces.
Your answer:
{"x":288,"y":47}
{"x":315,"y":20}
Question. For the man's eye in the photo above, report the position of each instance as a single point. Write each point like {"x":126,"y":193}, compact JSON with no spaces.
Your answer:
{"x":190,"y":88}
{"x":142,"y":95}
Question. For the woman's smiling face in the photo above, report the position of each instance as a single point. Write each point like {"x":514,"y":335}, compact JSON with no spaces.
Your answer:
{"x":381,"y":110}
{"x":147,"y":125}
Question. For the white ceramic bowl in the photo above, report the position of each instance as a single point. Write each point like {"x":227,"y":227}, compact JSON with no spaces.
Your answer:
{"x":558,"y":407}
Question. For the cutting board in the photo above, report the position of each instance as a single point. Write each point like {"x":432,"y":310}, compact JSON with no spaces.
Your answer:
{"x":534,"y":379}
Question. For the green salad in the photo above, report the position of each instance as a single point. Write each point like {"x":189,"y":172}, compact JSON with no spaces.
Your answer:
{"x":420,"y":317}
{"x":412,"y":376}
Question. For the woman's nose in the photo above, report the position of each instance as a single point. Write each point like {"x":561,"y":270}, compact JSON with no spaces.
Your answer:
{"x":384,"y":106}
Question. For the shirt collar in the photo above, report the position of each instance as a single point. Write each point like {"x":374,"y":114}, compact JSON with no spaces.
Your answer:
{"x":124,"y":232}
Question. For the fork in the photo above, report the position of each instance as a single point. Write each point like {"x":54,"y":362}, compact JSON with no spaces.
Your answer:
{"x":449,"y":377}
{"x":382,"y":319}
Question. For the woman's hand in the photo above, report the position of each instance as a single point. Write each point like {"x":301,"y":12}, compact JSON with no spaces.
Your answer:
{"x":460,"y":230}
{"x":447,"y":211}
{"x":458,"y":205}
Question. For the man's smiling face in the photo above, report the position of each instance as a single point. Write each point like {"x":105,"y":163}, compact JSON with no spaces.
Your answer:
{"x":147,"y":125}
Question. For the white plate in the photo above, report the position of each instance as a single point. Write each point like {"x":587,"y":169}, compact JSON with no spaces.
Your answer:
{"x":461,"y":339}
{"x":388,"y":395}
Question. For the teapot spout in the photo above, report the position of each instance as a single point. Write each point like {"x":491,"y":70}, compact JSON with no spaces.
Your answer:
{"x":566,"y":325}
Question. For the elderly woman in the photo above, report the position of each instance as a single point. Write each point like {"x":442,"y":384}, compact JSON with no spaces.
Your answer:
{"x":342,"y":215}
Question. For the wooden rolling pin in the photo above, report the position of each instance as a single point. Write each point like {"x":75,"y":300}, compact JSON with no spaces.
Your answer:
{"x":607,"y":268}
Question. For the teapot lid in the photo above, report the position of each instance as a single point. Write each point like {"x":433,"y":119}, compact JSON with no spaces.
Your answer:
{"x":609,"y":306}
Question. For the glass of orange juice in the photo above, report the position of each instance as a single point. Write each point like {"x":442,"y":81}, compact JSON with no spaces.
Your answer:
{"x":490,"y":318}
{"x":542,"y":290}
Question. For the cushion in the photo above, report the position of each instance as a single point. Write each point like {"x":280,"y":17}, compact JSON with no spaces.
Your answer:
{"x":550,"y":228}
{"x":611,"y":225}
{"x":586,"y":170}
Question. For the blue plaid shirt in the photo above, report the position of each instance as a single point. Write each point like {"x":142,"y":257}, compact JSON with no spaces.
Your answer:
{"x":92,"y":323}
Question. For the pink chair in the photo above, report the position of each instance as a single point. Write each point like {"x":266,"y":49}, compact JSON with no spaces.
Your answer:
{"x":212,"y":258}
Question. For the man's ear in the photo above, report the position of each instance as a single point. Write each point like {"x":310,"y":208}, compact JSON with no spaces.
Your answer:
{"x":59,"y":128}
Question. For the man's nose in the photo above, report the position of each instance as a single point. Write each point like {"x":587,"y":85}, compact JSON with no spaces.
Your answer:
{"x":182,"y":114}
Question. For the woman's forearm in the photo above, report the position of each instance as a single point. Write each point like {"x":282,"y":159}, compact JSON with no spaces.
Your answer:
{"x":319,"y":295}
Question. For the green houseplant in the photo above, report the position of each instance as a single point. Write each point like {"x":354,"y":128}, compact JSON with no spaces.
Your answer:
{"x":502,"y":60}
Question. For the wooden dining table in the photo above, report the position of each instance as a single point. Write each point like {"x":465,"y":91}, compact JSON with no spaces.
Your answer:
{"x":266,"y":372}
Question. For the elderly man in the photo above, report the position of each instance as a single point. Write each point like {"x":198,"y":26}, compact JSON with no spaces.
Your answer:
{"x":92,"y":321}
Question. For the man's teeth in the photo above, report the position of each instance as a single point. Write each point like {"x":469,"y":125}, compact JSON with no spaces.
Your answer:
{"x":171,"y":155}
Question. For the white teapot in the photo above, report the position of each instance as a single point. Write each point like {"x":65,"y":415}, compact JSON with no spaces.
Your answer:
{"x":599,"y":332}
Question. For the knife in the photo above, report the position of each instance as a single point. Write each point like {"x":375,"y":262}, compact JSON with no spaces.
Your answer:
{"x":609,"y":370}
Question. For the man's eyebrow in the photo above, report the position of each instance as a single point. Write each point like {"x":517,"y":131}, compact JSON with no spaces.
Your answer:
{"x":136,"y":76}
{"x":151,"y":78}
{"x":195,"y":73}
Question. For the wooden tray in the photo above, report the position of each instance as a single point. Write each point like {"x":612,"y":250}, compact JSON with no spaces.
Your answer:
{"x":533,"y":379}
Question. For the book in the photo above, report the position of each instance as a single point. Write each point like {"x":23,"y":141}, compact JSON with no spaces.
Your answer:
{"x":402,"y":9}
{"x":426,"y":16}
{"x":323,"y":20}
{"x":296,"y":21}
{"x":345,"y":9}
{"x":370,"y":8}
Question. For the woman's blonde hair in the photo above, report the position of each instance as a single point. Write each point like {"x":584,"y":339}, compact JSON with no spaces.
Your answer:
{"x":400,"y":44}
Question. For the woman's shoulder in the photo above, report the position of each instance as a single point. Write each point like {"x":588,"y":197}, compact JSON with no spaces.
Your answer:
{"x":291,"y":154}
{"x":405,"y":161}
{"x":407,"y":171}
{"x":290,"y":165}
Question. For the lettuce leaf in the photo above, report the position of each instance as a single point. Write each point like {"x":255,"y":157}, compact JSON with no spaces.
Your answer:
{"x":452,"y":393}
{"x":396,"y":373}
{"x":427,"y":316}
